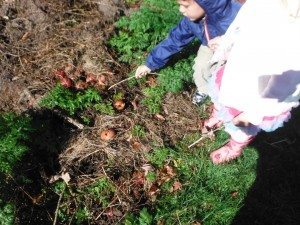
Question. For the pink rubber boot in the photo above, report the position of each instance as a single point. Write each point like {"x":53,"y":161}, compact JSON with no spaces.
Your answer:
{"x":229,"y":151}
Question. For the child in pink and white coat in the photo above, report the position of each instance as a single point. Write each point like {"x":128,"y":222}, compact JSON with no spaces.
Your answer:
{"x":259,"y":83}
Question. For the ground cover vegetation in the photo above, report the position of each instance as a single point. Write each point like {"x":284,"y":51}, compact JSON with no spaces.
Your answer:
{"x":83,"y":151}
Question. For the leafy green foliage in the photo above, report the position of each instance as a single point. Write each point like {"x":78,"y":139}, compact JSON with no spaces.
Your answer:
{"x":158,"y":156}
{"x":14,"y":130}
{"x":104,"y":108}
{"x":101,"y":190}
{"x":6,"y":213}
{"x":140,"y":32}
{"x":173,"y":79}
{"x":82,"y":215}
{"x":72,"y":101}
{"x":144,"y":218}
{"x":210,"y":194}
{"x":138,"y":131}
{"x":153,"y":98}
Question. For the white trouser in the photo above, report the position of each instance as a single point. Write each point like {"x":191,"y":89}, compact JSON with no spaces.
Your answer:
{"x":202,"y":68}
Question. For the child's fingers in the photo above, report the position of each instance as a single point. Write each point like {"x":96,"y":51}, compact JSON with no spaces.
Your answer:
{"x":142,"y":71}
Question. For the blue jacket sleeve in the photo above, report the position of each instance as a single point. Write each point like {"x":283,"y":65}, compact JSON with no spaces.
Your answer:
{"x":180,"y":36}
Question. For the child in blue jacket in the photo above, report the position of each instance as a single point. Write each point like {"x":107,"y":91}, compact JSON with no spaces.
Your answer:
{"x":204,"y":19}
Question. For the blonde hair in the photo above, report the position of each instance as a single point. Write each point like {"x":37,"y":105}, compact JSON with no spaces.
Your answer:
{"x":292,"y":7}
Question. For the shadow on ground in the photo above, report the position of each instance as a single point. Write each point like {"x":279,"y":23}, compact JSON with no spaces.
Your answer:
{"x":274,"y":198}
{"x":28,"y":188}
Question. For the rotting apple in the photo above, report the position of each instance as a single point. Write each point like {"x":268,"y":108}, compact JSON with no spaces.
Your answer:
{"x":107,"y":135}
{"x":119,"y":105}
{"x":101,"y":80}
{"x":81,"y":85}
{"x":91,"y":78}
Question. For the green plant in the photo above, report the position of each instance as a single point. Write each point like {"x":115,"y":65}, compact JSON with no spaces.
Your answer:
{"x":153,"y":98}
{"x":138,"y":131}
{"x":82,"y":215}
{"x":158,"y":156}
{"x":14,"y":130}
{"x":174,"y":78}
{"x":104,"y":108}
{"x":144,"y":218}
{"x":118,"y":96}
{"x":72,"y":101}
{"x":7,"y":216}
{"x":138,"y":34}
{"x":101,"y":190}
{"x":210,"y":194}
{"x":141,"y":31}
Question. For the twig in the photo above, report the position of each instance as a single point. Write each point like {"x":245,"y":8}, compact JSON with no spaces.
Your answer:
{"x":178,"y":218}
{"x":122,"y":81}
{"x":196,"y":142}
{"x":205,"y":136}
{"x":58,"y":205}
{"x":70,"y":120}
{"x":129,"y":78}
{"x":28,"y":195}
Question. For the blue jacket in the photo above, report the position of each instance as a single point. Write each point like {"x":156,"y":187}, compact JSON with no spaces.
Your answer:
{"x":218,"y":16}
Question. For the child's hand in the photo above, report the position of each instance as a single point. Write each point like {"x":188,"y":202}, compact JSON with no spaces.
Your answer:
{"x":213,"y":44}
{"x":141,"y":71}
{"x":241,"y":120}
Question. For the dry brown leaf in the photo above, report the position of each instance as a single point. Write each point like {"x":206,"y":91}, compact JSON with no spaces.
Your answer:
{"x":138,"y":178}
{"x":160,"y":117}
{"x":66,"y":177}
{"x":165,"y":174}
{"x":196,"y":223}
{"x":154,"y":190}
{"x":147,"y":168}
{"x":177,"y":186}
{"x":109,"y":213}
{"x":169,"y":170}
{"x":37,"y":199}
{"x":234,"y":194}
{"x":54,"y":178}
{"x":136,"y":193}
{"x":160,"y":222}
{"x":135,"y":103}
{"x":91,"y":78}
{"x":101,"y":80}
{"x":117,"y":212}
{"x":151,"y":81}
{"x":136,"y":145}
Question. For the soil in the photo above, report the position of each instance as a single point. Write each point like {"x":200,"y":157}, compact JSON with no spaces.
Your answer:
{"x":39,"y":37}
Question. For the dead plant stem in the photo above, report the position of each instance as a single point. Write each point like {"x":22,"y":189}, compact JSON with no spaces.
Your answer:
{"x":205,"y":136}
{"x":58,"y":204}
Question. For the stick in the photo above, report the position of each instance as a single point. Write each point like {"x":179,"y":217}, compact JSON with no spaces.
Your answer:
{"x":58,"y":204}
{"x":70,"y":120}
{"x":128,"y":78}
{"x":205,"y":136}
{"x":196,"y":142}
